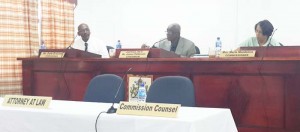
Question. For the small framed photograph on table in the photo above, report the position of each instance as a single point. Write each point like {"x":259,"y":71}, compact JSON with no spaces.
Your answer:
{"x":133,"y":84}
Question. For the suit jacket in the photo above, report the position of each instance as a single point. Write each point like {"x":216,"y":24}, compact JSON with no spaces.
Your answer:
{"x":185,"y":47}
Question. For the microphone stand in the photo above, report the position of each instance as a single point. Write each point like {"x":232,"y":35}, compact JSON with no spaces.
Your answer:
{"x":112,"y":109}
{"x":269,"y":44}
{"x":264,"y":52}
{"x":62,"y":70}
{"x":153,"y":46}
{"x":260,"y":67}
{"x":70,"y":46}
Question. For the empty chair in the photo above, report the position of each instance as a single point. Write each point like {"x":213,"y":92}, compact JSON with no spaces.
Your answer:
{"x":103,"y":88}
{"x":172,"y":89}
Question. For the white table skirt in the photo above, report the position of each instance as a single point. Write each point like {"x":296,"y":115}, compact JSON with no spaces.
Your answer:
{"x":72,"y":116}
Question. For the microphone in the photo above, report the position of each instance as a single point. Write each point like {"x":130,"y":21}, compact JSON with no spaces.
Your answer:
{"x":112,"y":109}
{"x":269,"y":44}
{"x":153,"y":46}
{"x":70,"y":46}
{"x":62,"y":70}
{"x":280,"y":44}
{"x":264,"y":52}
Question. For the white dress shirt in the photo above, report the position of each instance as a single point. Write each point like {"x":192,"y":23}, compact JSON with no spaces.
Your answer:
{"x":94,"y":46}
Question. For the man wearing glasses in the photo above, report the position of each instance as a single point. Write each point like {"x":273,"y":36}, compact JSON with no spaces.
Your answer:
{"x":176,"y":43}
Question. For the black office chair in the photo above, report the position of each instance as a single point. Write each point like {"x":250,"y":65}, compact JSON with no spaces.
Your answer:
{"x":108,"y":48}
{"x":197,"y":50}
{"x":172,"y":89}
{"x":103,"y":88}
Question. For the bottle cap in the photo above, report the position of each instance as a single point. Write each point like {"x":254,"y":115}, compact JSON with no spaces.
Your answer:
{"x":142,"y":84}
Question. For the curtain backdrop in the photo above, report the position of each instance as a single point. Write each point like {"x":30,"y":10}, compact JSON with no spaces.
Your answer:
{"x":18,"y":38}
{"x":19,"y":35}
{"x":57,"y":23}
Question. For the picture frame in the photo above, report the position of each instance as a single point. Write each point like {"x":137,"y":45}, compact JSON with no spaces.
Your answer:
{"x":132,"y":85}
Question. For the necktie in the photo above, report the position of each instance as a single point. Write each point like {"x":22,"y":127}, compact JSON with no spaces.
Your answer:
{"x":173,"y":47}
{"x":86,"y":46}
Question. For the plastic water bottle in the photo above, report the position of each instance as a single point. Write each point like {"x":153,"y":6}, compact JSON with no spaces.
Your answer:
{"x":142,"y":93}
{"x":118,"y":45}
{"x":43,"y":45}
{"x":218,"y":46}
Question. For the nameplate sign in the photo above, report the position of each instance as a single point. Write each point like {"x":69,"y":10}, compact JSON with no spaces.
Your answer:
{"x":148,"y":109}
{"x":242,"y":53}
{"x":134,"y":54}
{"x":27,"y":101}
{"x":52,"y":54}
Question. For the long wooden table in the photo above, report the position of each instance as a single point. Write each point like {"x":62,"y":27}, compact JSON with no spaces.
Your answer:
{"x":263,"y":93}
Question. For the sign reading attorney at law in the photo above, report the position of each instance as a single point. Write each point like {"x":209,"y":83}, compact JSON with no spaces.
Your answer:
{"x":52,"y":54}
{"x":148,"y":109}
{"x":134,"y":54}
{"x":242,"y":53}
{"x":26,"y":101}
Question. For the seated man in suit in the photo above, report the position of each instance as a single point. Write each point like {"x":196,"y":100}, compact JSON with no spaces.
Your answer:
{"x":176,"y":43}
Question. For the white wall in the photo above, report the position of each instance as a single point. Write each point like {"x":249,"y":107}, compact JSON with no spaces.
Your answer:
{"x":135,"y":22}
{"x":284,"y":15}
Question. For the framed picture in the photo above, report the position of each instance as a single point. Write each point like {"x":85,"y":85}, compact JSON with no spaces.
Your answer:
{"x":133,"y":84}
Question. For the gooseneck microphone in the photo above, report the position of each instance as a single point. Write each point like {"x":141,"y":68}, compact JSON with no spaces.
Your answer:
{"x":269,"y":44}
{"x":264,"y":52}
{"x":281,"y":44}
{"x":260,"y":65}
{"x":63,"y":69}
{"x":112,"y":109}
{"x":153,"y":45}
{"x":70,"y":46}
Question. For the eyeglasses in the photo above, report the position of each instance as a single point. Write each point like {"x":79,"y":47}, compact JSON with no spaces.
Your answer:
{"x":170,"y":32}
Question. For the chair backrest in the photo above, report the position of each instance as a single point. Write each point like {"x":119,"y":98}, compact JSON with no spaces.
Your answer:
{"x":172,"y":89}
{"x":103,"y":88}
{"x":108,"y":48}
{"x":197,"y":50}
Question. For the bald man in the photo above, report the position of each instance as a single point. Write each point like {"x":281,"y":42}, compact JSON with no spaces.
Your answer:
{"x":176,"y":43}
{"x":89,"y":44}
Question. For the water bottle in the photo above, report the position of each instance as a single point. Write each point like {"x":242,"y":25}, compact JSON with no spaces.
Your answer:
{"x":118,"y":45}
{"x":218,"y":46}
{"x":43,"y":46}
{"x":142,"y":93}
